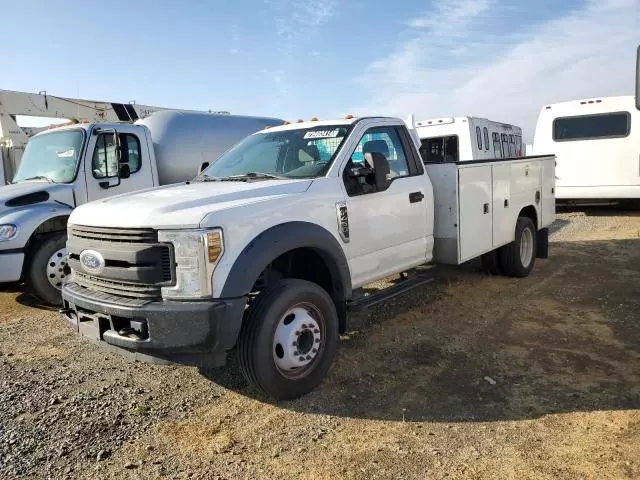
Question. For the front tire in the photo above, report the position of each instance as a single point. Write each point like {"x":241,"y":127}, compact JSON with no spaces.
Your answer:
{"x":47,"y":269}
{"x":289,"y":339}
{"x":518,"y":258}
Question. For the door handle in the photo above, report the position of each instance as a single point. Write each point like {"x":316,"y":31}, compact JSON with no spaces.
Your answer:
{"x":485,"y":208}
{"x":415,"y":197}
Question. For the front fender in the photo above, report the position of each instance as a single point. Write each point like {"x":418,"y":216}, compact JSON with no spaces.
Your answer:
{"x":28,"y":219}
{"x":279,"y":239}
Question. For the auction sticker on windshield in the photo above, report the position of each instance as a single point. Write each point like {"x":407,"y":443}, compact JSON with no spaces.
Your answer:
{"x":322,"y":134}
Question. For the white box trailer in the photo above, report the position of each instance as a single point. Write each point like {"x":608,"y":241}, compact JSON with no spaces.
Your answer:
{"x":597,"y":145}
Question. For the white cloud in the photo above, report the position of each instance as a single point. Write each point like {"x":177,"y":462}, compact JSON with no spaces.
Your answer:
{"x":450,"y":65}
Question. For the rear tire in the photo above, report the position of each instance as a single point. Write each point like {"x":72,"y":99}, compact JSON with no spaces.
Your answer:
{"x":47,"y":268}
{"x":289,"y":339}
{"x":518,"y":258}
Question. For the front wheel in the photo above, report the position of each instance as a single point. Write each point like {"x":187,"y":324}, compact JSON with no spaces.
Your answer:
{"x":518,"y":257}
{"x":47,"y":269}
{"x":289,"y":339}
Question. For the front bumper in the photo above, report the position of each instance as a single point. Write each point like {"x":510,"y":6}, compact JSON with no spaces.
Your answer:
{"x":179,"y":332}
{"x":11,"y":266}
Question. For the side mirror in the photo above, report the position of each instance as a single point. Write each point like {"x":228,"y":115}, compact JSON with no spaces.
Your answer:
{"x":380,"y":169}
{"x":203,"y":166}
{"x":124,"y":171}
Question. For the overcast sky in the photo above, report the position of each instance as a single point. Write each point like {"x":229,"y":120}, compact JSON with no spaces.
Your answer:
{"x":301,"y":58}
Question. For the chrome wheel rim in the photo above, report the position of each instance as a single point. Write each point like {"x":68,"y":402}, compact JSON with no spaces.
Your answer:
{"x":298,"y":340}
{"x":526,"y":247}
{"x":57,"y":268}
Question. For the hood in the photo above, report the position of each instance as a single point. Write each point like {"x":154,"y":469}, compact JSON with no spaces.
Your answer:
{"x":181,"y":205}
{"x":34,"y":192}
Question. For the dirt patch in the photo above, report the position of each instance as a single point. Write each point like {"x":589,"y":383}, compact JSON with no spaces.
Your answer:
{"x":472,"y":376}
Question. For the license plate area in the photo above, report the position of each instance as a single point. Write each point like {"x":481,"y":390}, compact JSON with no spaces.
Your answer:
{"x":93,"y":325}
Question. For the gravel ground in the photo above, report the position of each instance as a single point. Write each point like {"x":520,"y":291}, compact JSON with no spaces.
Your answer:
{"x":469,"y":377}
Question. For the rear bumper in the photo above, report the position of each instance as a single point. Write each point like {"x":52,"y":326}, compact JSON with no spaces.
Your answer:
{"x":180,"y":332}
{"x":11,"y":266}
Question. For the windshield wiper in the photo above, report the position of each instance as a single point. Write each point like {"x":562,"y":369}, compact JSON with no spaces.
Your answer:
{"x":252,"y":175}
{"x":40,"y":177}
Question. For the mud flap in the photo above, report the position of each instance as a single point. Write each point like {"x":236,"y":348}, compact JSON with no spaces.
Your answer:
{"x":542,"y":243}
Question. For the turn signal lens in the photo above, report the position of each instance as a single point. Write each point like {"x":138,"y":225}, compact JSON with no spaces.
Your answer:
{"x":214,"y":246}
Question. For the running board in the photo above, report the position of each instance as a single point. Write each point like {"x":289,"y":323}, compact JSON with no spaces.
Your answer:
{"x":401,"y":286}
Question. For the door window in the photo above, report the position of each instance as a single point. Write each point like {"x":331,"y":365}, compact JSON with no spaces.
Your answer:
{"x":105,"y":160}
{"x":382,"y":140}
{"x":497,"y":147}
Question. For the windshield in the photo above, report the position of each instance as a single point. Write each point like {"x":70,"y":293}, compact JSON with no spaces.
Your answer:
{"x":300,"y":153}
{"x":53,"y":156}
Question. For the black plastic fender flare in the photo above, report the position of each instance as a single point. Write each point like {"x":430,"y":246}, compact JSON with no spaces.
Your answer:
{"x":279,"y":239}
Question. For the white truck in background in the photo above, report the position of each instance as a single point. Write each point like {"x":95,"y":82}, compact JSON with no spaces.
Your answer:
{"x":68,"y":166}
{"x":597,"y":144}
{"x":269,"y":248}
{"x":453,"y":139}
{"x":13,"y":137}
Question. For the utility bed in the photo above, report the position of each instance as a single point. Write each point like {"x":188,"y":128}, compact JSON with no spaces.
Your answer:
{"x":477,"y":203}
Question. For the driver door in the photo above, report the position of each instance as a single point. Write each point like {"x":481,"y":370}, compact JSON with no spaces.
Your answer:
{"x":101,"y":165}
{"x":388,"y":229}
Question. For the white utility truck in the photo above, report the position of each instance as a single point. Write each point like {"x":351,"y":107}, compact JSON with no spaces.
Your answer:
{"x":454,"y":139}
{"x":67,"y":166}
{"x":597,"y":145}
{"x":268,"y":248}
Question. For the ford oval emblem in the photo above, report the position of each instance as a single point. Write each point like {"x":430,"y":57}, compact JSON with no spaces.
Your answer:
{"x":92,"y":261}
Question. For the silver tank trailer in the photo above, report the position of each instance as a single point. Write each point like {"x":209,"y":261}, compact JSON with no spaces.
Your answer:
{"x":183,"y":141}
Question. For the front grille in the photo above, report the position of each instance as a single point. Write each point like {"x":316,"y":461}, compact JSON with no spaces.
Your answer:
{"x":120,"y":289}
{"x":136,"y":266}
{"x":115,"y":235}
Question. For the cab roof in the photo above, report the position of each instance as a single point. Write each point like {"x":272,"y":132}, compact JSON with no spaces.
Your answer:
{"x":322,"y":123}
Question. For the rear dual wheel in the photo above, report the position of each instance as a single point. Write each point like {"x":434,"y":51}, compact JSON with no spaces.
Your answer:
{"x":517,"y":258}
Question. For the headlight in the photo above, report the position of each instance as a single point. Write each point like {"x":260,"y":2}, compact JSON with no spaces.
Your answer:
{"x":197,"y":253}
{"x":7,"y":232}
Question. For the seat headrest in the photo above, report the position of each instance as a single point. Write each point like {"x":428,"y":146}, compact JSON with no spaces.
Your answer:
{"x":312,"y":151}
{"x":378,"y":146}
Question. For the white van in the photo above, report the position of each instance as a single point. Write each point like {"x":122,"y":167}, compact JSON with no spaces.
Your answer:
{"x":597,"y":145}
{"x":459,"y":139}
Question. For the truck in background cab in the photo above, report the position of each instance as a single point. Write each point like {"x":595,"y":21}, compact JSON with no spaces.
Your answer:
{"x":269,"y":248}
{"x":72,"y":165}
